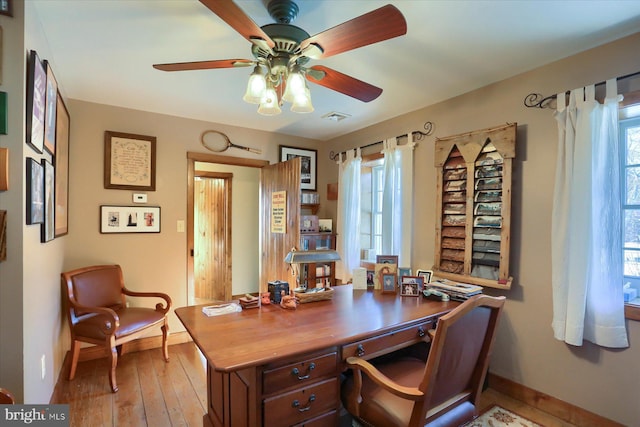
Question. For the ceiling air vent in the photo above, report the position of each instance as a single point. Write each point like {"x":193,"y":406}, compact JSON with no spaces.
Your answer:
{"x":334,"y":116}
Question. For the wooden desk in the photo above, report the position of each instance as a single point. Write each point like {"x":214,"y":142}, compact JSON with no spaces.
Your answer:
{"x":275,"y":367}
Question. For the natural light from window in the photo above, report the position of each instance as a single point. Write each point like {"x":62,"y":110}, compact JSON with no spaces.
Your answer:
{"x":630,"y":140}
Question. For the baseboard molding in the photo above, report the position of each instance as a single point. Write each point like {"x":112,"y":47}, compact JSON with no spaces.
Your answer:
{"x":549,"y":404}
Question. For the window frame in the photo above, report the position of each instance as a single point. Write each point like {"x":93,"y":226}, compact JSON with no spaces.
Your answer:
{"x":629,"y":109}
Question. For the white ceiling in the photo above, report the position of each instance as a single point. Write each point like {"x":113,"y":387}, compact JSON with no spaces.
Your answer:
{"x":103,"y":51}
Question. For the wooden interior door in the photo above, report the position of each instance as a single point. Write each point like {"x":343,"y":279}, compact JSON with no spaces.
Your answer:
{"x":283,"y":176}
{"x":212,"y":236}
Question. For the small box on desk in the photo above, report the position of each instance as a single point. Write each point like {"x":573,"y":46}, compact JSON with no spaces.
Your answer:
{"x":275,"y":289}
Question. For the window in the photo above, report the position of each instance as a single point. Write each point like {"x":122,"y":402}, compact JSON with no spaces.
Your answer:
{"x":372,"y":181}
{"x":630,"y":144}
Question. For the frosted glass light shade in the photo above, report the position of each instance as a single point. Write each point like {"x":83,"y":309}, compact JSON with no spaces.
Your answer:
{"x":256,"y":87}
{"x":269,"y":104}
{"x":295,"y":86}
{"x":302,"y":103}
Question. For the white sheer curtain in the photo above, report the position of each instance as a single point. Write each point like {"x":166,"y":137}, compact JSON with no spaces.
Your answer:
{"x":397,"y":199}
{"x":586,"y":225}
{"x":348,"y":215}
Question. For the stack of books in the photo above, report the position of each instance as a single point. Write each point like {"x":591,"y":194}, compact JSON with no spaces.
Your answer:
{"x":456,"y":290}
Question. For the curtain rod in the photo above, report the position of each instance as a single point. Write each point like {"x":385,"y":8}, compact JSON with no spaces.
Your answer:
{"x":428,"y":126}
{"x":537,"y":100}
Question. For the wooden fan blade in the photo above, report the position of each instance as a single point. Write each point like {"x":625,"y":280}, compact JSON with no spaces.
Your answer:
{"x":235,"y":17}
{"x":204,"y":65}
{"x":381,"y":24}
{"x":342,"y":83}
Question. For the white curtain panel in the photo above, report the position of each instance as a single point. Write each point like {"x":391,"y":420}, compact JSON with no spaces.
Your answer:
{"x":348,"y":215}
{"x":587,"y":272}
{"x":397,"y":200}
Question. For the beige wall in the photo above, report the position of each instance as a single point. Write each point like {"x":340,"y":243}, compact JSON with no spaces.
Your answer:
{"x":600,"y":380}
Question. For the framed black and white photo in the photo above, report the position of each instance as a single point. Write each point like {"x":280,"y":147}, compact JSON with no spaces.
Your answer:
{"x":426,"y":274}
{"x":35,"y":192}
{"x":129,"y":219}
{"x":308,"y":169}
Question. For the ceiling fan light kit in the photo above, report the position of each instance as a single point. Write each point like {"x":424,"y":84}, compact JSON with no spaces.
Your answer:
{"x":284,"y":50}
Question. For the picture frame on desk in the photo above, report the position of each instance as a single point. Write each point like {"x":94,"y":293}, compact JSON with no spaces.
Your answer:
{"x":411,"y":286}
{"x":427,"y":274}
{"x":308,"y":169}
{"x":389,"y":284}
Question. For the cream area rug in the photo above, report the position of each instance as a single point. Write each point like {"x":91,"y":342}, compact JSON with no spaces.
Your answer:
{"x":497,"y":416}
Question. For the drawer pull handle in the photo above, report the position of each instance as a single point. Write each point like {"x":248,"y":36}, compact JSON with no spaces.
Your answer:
{"x":360,"y":350}
{"x":421,"y":332}
{"x":296,"y":372}
{"x":296,"y":404}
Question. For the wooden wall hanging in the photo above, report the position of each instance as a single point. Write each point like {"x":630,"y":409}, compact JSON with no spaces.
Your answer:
{"x":473,"y":202}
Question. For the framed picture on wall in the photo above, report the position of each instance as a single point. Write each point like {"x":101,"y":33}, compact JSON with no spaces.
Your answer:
{"x":62,"y":169}
{"x":47,"y":229}
{"x":6,"y":7}
{"x":129,"y":161}
{"x":35,"y":192}
{"x":51,"y":96}
{"x":309,"y":160}
{"x":36,"y":92}
{"x":129,"y":219}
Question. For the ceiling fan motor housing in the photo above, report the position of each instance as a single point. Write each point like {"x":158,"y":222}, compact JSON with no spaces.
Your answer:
{"x":283,"y":11}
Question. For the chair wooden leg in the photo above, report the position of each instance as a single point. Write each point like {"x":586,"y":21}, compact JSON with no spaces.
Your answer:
{"x":75,"y":354}
{"x":112,"y":371}
{"x":165,"y":340}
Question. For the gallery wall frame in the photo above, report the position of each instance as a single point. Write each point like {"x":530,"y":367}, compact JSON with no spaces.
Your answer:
{"x":309,"y":160}
{"x":47,"y":229}
{"x":129,"y":219}
{"x":36,"y":92}
{"x":129,"y":161}
{"x":62,"y":168}
{"x":51,"y":96}
{"x":35,"y":192}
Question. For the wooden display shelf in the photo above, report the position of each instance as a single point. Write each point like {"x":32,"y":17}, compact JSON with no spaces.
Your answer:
{"x":473,"y":202}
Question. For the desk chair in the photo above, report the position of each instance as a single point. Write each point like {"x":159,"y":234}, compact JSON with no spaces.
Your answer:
{"x":6,"y":398}
{"x":445,"y":390}
{"x":98,"y":313}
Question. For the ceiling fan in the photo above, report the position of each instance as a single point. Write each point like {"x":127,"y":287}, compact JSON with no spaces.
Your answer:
{"x":284,"y":50}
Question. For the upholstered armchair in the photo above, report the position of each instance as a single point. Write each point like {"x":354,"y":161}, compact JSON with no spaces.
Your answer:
{"x":444,"y":390}
{"x":98,"y":313}
{"x":6,"y":398}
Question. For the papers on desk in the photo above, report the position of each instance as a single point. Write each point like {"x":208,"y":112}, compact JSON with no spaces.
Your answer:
{"x":217,"y":310}
{"x":456,"y":290}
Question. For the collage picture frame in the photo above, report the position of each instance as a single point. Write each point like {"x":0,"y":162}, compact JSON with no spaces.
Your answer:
{"x":129,"y":219}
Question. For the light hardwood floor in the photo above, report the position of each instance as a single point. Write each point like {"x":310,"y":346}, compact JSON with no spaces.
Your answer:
{"x":154,"y":393}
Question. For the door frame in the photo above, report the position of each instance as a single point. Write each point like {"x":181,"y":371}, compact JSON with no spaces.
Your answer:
{"x":192,"y":158}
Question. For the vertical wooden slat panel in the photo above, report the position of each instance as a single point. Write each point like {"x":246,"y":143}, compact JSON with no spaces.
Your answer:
{"x":212,"y":243}
{"x":283,"y":176}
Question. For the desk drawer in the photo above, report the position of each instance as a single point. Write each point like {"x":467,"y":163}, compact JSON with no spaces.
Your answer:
{"x":382,"y":344}
{"x":300,"y":373}
{"x":301,"y":404}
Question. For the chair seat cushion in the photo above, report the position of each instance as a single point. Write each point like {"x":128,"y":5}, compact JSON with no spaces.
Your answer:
{"x":131,"y":320}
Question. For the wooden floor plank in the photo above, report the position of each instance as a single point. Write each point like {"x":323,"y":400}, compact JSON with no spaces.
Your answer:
{"x":152,"y":398}
{"x":155,"y":393}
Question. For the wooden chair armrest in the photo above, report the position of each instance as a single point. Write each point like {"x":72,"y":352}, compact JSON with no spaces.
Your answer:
{"x":111,"y":318}
{"x":159,"y":306}
{"x":358,"y":364}
{"x":431,"y":333}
